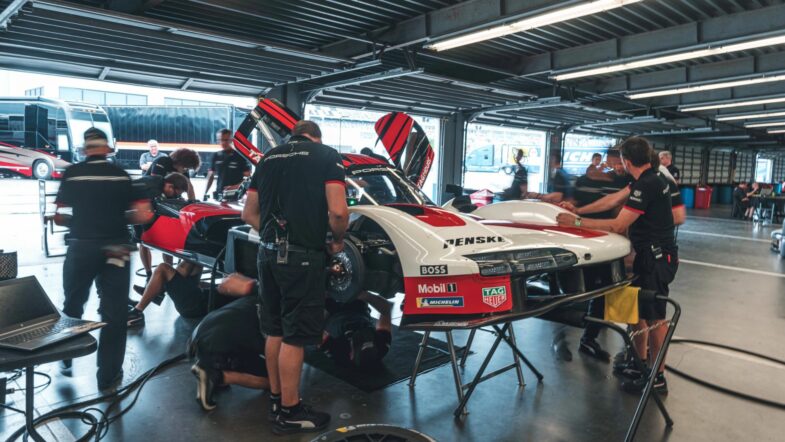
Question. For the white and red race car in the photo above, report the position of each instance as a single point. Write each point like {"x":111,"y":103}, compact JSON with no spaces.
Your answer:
{"x":448,"y":264}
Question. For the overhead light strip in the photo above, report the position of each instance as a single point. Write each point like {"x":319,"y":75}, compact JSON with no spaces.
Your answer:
{"x":749,"y":116}
{"x":706,"y":87}
{"x":769,"y":124}
{"x":742,"y":103}
{"x":529,"y":23}
{"x":776,"y":131}
{"x":673,"y":58}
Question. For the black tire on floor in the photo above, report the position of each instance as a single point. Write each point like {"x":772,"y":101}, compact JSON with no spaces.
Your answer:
{"x":42,"y":170}
{"x":373,"y":433}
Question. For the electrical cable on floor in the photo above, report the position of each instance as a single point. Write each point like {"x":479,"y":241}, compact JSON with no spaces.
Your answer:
{"x":720,"y":388}
{"x":99,"y":420}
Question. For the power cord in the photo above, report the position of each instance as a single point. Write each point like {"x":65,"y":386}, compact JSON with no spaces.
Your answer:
{"x":99,"y":420}
{"x":720,"y":388}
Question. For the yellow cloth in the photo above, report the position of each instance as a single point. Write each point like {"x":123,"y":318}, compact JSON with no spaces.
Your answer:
{"x":621,"y":305}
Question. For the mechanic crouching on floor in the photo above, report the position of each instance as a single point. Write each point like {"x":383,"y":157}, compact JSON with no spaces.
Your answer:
{"x":103,"y":202}
{"x":296,"y":193}
{"x":649,"y":217}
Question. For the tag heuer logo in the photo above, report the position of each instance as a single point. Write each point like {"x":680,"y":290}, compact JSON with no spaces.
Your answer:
{"x":637,"y":193}
{"x":494,"y":296}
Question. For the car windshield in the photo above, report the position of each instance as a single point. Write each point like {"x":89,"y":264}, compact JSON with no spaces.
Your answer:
{"x":383,"y":186}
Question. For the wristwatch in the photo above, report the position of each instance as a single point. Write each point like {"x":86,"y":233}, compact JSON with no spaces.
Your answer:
{"x":578,"y":221}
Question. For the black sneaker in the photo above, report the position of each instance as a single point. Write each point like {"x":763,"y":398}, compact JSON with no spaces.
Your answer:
{"x":65,"y":367}
{"x":593,"y":348}
{"x":206,"y":380}
{"x":636,"y":386}
{"x":628,"y":370}
{"x":138,"y":289}
{"x":300,"y":418}
{"x":275,"y":408}
{"x":135,"y":317}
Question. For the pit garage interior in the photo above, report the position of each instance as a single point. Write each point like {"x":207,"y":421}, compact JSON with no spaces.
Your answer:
{"x":703,"y":79}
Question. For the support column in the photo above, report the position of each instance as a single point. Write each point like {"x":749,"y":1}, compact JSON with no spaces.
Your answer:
{"x":553,"y":143}
{"x":450,"y":166}
{"x":289,"y":94}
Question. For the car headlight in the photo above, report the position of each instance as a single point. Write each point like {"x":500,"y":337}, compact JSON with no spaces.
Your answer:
{"x":523,"y":261}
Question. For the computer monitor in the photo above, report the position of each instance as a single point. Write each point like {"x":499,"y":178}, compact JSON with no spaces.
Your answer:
{"x":24,"y":302}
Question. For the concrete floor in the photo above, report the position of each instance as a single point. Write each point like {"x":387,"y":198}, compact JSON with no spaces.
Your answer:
{"x":731,"y":287}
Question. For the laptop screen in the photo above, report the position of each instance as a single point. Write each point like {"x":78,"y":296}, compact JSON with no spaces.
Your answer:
{"x":22,"y":301}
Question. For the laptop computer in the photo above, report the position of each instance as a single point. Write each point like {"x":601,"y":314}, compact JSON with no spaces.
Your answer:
{"x":29,"y":320}
{"x":767,"y":191}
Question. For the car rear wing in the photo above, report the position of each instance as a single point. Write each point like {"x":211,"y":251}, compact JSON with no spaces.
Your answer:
{"x":269,"y":116}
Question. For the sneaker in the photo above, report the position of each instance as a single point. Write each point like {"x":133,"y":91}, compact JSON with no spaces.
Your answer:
{"x":636,"y":386}
{"x":300,"y":418}
{"x":135,"y":317}
{"x":275,"y":408}
{"x":65,"y":367}
{"x":629,"y":370}
{"x":593,"y":348}
{"x":206,"y":380}
{"x":138,"y":289}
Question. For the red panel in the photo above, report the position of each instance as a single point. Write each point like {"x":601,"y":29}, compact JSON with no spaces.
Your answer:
{"x":575,"y":231}
{"x":277,"y":113}
{"x":18,"y":167}
{"x":434,"y":216}
{"x":353,"y":158}
{"x":170,"y":233}
{"x":457,"y":295}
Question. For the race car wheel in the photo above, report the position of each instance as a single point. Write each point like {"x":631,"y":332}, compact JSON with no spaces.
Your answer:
{"x":42,"y":170}
{"x":373,"y":433}
{"x":345,"y":273}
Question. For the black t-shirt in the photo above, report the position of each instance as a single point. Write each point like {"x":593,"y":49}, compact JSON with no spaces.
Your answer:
{"x":674,"y":172}
{"x":161,"y":167}
{"x":229,"y":168}
{"x":560,"y":182}
{"x":739,"y":194}
{"x":291,"y":183}
{"x":343,"y":321}
{"x":650,"y":197}
{"x":99,"y":193}
{"x":521,"y":175}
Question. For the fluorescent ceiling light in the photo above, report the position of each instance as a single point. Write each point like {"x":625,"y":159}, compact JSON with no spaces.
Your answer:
{"x":772,"y":123}
{"x":536,"y":21}
{"x":749,"y":116}
{"x":776,"y":131}
{"x":706,"y":87}
{"x":673,"y":58}
{"x":756,"y":102}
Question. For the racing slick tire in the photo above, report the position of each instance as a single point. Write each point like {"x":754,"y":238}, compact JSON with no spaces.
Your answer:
{"x":42,"y":170}
{"x":373,"y":433}
{"x":346,"y":273}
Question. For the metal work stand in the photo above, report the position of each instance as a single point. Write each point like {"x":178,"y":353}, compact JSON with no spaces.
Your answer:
{"x":648,"y":390}
{"x":504,"y":332}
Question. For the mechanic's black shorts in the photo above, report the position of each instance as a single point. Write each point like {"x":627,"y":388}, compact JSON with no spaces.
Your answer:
{"x":654,"y":274}
{"x":190,"y":300}
{"x":292,"y":296}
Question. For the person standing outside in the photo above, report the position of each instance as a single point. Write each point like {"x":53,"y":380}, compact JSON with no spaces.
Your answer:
{"x":147,"y":158}
{"x":666,"y":159}
{"x":297,"y":193}
{"x":227,"y":165}
{"x":99,"y":195}
{"x":648,"y":216}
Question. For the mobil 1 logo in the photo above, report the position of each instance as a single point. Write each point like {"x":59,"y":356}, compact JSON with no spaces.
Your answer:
{"x":433,"y":270}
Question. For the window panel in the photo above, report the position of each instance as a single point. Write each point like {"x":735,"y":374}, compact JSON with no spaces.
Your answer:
{"x":490,"y":156}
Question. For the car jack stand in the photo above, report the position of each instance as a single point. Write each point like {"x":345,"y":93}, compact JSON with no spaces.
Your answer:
{"x":648,"y":390}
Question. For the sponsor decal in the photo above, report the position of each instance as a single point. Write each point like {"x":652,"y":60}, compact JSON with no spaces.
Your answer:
{"x":452,"y":301}
{"x":637,"y":193}
{"x":437,"y":289}
{"x":471,"y":240}
{"x":433,"y":270}
{"x":494,"y":296}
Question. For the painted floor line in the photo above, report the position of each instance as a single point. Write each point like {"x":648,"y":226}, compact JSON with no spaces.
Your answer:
{"x":719,"y":235}
{"x":737,"y":269}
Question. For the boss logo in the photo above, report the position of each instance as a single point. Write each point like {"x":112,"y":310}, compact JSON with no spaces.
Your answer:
{"x":471,"y":240}
{"x":433,"y":270}
{"x":435,"y":289}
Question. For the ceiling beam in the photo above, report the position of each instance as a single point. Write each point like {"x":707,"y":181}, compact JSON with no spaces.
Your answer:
{"x":11,"y":10}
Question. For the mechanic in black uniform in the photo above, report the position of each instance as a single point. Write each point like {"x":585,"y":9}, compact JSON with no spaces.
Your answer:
{"x":181,"y":161}
{"x":100,"y":195}
{"x":588,"y":189}
{"x":648,"y":216}
{"x":352,"y":338}
{"x":297,"y":192}
{"x":666,"y":159}
{"x":227,"y":346}
{"x":229,"y":166}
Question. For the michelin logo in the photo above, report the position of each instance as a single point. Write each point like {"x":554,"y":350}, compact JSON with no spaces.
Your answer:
{"x":437,"y":289}
{"x":453,"y":301}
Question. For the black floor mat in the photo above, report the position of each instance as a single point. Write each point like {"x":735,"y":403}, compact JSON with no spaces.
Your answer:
{"x":398,"y":363}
